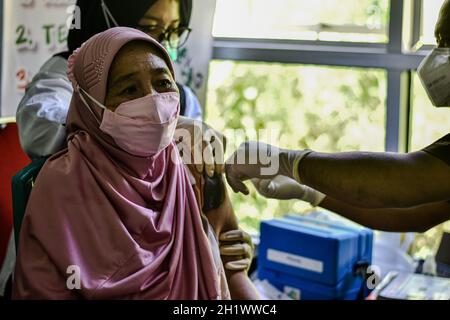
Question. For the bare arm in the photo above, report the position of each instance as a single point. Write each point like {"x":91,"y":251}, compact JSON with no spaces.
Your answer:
{"x":414,"y":219}
{"x":378,"y":180}
{"x":223,"y":219}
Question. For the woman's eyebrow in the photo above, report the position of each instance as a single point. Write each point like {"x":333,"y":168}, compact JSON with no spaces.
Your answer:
{"x":148,"y":17}
{"x":123,"y":78}
{"x":126,"y":77}
{"x":161,"y":70}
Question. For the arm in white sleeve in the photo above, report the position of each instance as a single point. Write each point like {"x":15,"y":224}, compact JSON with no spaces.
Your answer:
{"x":193,"y":107}
{"x":42,"y":112}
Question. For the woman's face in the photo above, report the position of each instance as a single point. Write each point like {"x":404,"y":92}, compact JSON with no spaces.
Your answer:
{"x":137,"y":71}
{"x":163,"y":15}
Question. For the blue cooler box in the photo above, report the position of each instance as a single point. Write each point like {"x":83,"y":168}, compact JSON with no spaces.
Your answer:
{"x":312,"y":259}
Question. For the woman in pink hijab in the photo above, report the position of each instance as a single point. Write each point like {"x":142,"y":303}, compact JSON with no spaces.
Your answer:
{"x":115,"y":216}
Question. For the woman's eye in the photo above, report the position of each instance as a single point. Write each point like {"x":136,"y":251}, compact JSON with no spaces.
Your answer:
{"x":152,"y":30}
{"x":148,"y":28}
{"x":129,"y":90}
{"x":166,"y":84}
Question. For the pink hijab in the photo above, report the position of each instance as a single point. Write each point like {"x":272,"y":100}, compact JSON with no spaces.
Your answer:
{"x":126,"y":227}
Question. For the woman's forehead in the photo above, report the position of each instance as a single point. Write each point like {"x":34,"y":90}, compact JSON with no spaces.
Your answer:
{"x":163,"y":11}
{"x":138,"y":55}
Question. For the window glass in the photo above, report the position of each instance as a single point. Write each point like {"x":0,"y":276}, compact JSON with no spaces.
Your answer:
{"x":428,"y":122}
{"x":327,"y":109}
{"x":326,"y":20}
{"x":430,"y":13}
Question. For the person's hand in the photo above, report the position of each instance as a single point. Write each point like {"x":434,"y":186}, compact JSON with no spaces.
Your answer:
{"x":200,"y":146}
{"x":236,"y":248}
{"x":255,"y":159}
{"x":284,"y":188}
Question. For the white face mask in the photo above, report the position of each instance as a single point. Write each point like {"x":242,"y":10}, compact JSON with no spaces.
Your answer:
{"x":434,"y":72}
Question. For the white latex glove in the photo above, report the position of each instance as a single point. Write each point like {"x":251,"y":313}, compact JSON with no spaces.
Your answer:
{"x":200,"y":146}
{"x":255,"y":159}
{"x":284,"y":188}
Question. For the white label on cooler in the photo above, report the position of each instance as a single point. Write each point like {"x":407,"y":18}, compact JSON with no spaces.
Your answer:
{"x":295,"y":260}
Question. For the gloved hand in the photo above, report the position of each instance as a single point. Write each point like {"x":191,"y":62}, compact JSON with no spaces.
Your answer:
{"x":200,"y":146}
{"x":236,"y":248}
{"x":284,"y":188}
{"x":255,"y":159}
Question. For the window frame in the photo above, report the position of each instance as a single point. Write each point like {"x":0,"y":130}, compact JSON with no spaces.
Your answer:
{"x":417,"y":27}
{"x":392,"y":57}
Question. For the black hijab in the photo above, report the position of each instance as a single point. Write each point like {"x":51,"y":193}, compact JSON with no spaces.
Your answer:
{"x":126,"y":13}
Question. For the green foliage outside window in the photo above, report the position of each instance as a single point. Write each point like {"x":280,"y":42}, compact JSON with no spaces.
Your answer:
{"x":326,"y":109}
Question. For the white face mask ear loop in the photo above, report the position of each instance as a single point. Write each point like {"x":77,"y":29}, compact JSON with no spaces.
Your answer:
{"x":108,"y":15}
{"x":82,"y":93}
